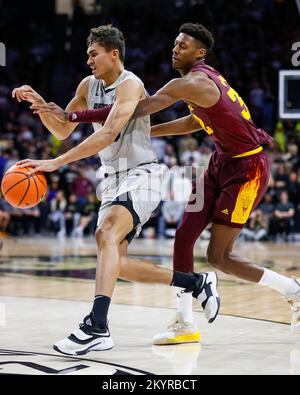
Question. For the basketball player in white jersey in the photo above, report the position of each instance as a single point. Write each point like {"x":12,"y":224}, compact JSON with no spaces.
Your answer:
{"x":132,"y":191}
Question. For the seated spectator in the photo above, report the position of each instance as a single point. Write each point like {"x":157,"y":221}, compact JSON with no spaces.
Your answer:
{"x":159,"y":146}
{"x":280,"y":137}
{"x":267,"y":207}
{"x":53,"y":186}
{"x":81,"y":187}
{"x":257,"y":227}
{"x":31,"y":220}
{"x":192,"y":155}
{"x":170,"y":158}
{"x":88,"y":218}
{"x":45,"y":210}
{"x":57,"y":218}
{"x":184,"y":142}
{"x":283,"y":216}
{"x":291,"y":157}
{"x":4,"y":156}
{"x":293,"y":188}
{"x":172,"y":211}
{"x":72,"y":214}
{"x":281,"y":177}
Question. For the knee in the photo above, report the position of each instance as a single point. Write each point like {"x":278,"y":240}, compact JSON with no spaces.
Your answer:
{"x":216,"y":259}
{"x":104,"y":234}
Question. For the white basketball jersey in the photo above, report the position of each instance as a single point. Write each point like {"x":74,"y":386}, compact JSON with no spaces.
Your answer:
{"x":133,"y":146}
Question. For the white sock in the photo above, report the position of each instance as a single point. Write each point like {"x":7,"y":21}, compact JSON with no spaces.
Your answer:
{"x":185,"y":305}
{"x":285,"y":285}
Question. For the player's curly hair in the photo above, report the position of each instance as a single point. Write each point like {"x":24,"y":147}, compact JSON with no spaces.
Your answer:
{"x":199,"y":32}
{"x":108,"y":37}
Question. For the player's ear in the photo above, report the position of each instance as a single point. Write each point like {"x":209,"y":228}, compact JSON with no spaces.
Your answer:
{"x":201,"y":52}
{"x":115,"y":54}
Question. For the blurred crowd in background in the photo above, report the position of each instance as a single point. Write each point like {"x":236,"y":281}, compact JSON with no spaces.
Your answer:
{"x":49,"y":53}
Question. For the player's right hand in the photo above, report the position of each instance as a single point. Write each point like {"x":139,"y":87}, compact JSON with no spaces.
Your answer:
{"x":50,"y":108}
{"x":25,"y":92}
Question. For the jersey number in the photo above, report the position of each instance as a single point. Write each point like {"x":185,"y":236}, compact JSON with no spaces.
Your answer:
{"x":206,"y":128}
{"x":235,"y":96}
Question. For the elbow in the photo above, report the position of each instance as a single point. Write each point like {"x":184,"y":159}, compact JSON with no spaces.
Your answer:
{"x":110,"y":136}
{"x":106,"y":138}
{"x":60,"y":137}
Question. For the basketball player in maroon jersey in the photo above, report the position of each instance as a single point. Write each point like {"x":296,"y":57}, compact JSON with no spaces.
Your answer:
{"x":234,"y":182}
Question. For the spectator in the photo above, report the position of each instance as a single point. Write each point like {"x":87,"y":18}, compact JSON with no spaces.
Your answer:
{"x":172,"y":211}
{"x":280,"y":137}
{"x":170,"y":158}
{"x":159,"y":145}
{"x":72,"y":214}
{"x":267,"y":206}
{"x":283,"y":216}
{"x":31,"y":220}
{"x":88,"y":218}
{"x":81,"y":187}
{"x":57,"y":218}
{"x":257,"y":227}
{"x":191,"y":156}
{"x":293,"y":188}
{"x":281,"y":178}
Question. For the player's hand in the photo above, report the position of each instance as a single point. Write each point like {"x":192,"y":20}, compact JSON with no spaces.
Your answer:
{"x":50,"y":108}
{"x":25,"y":92}
{"x":39,"y":165}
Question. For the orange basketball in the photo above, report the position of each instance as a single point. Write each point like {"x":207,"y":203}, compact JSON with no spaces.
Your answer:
{"x":21,"y":190}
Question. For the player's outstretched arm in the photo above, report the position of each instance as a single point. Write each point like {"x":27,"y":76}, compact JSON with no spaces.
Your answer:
{"x":60,"y":128}
{"x":127,"y":97}
{"x":169,"y":94}
{"x":179,"y":126}
{"x":98,"y":115}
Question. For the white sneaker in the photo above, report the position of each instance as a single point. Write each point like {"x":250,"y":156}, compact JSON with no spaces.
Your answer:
{"x":205,"y":291}
{"x":178,"y":332}
{"x":87,"y":338}
{"x":294,"y":301}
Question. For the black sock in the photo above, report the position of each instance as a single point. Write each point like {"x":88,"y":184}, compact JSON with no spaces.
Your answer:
{"x":184,"y":280}
{"x":100,"y":310}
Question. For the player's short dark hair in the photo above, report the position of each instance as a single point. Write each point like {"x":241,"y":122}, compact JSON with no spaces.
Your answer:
{"x":199,"y":32}
{"x":108,"y":37}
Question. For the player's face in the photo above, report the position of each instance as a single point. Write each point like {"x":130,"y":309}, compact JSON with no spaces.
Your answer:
{"x":99,"y":60}
{"x":186,"y":52}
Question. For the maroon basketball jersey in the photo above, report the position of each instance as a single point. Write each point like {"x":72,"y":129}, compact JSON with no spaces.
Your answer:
{"x":229,"y":121}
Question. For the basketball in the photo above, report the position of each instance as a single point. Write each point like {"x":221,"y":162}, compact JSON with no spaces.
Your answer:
{"x":21,"y":190}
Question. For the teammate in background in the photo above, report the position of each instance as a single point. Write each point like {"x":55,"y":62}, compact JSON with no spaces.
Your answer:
{"x":234,"y":182}
{"x":133,"y":185}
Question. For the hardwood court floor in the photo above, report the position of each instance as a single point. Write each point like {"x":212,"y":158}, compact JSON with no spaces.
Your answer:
{"x":42,"y":279}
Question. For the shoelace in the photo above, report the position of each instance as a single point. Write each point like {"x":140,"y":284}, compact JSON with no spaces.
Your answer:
{"x":176,"y":325}
{"x":84,"y":327}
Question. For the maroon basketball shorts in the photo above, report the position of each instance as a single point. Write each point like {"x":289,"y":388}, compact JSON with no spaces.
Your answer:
{"x":236,"y":186}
